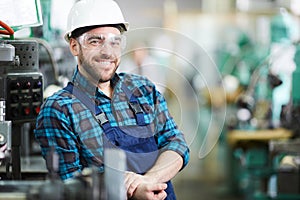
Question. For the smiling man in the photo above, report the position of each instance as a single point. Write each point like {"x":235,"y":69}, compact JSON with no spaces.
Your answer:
{"x":102,"y":109}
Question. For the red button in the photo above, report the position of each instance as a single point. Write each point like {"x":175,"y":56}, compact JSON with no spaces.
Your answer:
{"x":27,"y":111}
{"x":37,"y":109}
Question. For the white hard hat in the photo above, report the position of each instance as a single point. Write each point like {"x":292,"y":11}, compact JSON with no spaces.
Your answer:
{"x":85,"y":13}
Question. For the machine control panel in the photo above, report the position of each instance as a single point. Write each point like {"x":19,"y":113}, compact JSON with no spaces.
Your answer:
{"x":21,"y":83}
{"x":24,"y":96}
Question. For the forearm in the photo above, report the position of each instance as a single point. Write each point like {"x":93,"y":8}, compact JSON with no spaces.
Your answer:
{"x":152,"y":183}
{"x":166,"y":167}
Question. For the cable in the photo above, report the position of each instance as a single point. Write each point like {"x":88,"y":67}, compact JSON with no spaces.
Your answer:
{"x":8,"y":30}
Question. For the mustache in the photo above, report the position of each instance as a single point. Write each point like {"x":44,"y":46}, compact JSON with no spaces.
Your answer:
{"x":106,"y":56}
{"x":101,"y":57}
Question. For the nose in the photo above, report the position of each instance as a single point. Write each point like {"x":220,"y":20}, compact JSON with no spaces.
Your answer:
{"x":106,"y":49}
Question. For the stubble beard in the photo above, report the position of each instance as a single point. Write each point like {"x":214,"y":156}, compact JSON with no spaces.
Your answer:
{"x":93,"y":72}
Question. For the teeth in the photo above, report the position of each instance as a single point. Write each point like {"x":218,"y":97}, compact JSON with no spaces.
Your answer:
{"x":105,"y":63}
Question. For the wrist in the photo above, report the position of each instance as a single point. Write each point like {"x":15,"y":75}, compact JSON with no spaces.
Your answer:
{"x":152,"y":177}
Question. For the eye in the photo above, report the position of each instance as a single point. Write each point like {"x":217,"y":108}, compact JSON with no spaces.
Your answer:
{"x":95,"y":40}
{"x":116,"y":42}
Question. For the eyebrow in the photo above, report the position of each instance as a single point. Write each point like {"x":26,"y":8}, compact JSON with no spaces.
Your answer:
{"x":101,"y":37}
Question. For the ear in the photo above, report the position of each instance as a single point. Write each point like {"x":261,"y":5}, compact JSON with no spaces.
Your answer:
{"x":74,"y":46}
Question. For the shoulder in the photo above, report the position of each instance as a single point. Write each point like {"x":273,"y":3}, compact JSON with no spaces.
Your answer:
{"x":60,"y":100}
{"x":134,"y":77}
{"x":61,"y":96}
{"x":134,"y":81}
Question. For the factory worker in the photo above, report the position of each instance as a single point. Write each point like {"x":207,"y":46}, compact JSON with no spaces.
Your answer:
{"x":103,"y":109}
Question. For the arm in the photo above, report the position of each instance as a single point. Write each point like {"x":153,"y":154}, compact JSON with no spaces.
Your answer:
{"x":166,"y":167}
{"x":174,"y":156}
{"x":53,"y":132}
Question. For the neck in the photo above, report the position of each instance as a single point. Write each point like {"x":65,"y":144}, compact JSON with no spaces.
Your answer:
{"x":106,"y":88}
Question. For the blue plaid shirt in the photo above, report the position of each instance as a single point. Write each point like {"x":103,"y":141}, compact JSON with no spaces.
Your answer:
{"x":67,"y":126}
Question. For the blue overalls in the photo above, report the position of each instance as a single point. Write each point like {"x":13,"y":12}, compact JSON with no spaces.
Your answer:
{"x":138,"y":142}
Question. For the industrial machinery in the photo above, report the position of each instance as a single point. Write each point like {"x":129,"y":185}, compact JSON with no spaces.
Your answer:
{"x":21,"y":83}
{"x":263,"y":139}
{"x":5,"y":136}
{"x":21,"y":86}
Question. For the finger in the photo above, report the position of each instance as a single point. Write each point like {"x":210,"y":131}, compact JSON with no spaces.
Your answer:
{"x":131,"y":189}
{"x":157,"y":187}
{"x":162,"y":195}
{"x":132,"y":183}
{"x":133,"y":186}
{"x":130,"y":178}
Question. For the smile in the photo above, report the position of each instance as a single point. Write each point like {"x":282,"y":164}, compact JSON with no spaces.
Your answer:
{"x":105,"y":62}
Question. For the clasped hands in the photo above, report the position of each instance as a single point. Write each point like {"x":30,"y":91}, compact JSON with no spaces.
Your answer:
{"x":143,"y":187}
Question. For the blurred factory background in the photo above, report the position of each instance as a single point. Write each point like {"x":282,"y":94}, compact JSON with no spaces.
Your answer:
{"x":229,"y":70}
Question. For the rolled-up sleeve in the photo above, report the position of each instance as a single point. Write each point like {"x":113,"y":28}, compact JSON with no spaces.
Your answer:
{"x":169,"y":137}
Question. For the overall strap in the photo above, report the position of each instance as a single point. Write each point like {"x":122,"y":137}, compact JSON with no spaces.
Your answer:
{"x":98,"y":113}
{"x":135,"y":106}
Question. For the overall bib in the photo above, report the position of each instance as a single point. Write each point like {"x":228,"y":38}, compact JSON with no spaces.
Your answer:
{"x":138,"y":142}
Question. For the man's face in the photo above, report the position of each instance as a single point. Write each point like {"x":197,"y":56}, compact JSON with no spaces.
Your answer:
{"x":98,"y":52}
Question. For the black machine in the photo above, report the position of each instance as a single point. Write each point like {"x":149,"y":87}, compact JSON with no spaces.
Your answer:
{"x":21,"y":88}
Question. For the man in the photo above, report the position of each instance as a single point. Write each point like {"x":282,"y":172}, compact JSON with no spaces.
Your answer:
{"x":102,"y":109}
